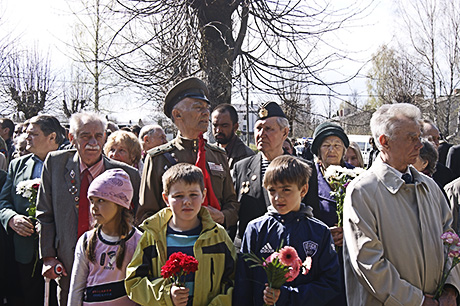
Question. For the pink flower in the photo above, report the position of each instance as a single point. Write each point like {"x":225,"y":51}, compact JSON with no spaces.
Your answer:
{"x":454,"y":253}
{"x":288,"y":256}
{"x":294,"y":270}
{"x":306,"y":266}
{"x":272,"y":257}
{"x":450,"y":238}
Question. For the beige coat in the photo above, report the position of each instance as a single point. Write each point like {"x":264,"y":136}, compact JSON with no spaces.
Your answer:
{"x":453,"y":193}
{"x":393,"y":253}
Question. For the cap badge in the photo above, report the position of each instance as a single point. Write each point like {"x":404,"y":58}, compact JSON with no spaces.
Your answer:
{"x":263,"y":112}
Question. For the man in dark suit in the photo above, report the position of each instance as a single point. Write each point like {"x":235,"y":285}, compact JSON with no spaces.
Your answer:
{"x":63,"y":210}
{"x":44,"y":134}
{"x":224,"y":119}
{"x":270,"y":131}
{"x":442,"y":175}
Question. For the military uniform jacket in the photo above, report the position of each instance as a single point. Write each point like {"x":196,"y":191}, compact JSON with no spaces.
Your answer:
{"x":253,"y":198}
{"x":181,"y":150}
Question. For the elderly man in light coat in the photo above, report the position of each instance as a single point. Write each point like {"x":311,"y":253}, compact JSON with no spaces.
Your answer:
{"x":392,"y":225}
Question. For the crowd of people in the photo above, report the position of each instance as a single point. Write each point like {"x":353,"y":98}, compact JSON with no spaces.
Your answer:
{"x":113,"y":205}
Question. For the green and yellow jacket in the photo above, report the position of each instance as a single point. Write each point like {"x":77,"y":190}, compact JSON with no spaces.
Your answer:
{"x":216,"y":264}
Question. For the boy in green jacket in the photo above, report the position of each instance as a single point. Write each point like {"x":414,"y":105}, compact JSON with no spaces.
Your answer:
{"x":184,"y":226}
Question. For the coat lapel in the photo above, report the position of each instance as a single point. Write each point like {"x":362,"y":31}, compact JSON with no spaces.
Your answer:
{"x":26,"y":172}
{"x":72,"y":177}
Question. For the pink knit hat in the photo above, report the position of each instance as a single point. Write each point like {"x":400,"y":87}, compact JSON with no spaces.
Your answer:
{"x":112,"y":185}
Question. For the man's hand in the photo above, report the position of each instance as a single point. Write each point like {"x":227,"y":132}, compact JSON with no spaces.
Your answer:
{"x":337,"y":235}
{"x":448,"y":297}
{"x":271,"y":295}
{"x":216,"y":215}
{"x":429,"y":300}
{"x":179,"y":295}
{"x":49,"y":263}
{"x":21,"y":225}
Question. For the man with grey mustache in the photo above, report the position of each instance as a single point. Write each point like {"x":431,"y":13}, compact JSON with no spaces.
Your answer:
{"x":63,"y":209}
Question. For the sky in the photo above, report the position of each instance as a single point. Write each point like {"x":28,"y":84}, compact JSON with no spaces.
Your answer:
{"x":47,"y":24}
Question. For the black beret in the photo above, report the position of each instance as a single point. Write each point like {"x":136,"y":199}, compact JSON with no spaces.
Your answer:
{"x":188,"y":88}
{"x":270,"y":109}
{"x":324,"y":130}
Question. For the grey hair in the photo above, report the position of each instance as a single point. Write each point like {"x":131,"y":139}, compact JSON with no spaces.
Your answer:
{"x":385,"y":119}
{"x":79,"y":119}
{"x":148,"y":130}
{"x":282,"y":122}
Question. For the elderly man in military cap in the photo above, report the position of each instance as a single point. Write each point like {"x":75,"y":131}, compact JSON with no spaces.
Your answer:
{"x":270,"y":131}
{"x":188,"y":107}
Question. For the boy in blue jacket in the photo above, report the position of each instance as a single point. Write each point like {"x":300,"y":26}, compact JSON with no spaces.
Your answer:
{"x":287,"y":221}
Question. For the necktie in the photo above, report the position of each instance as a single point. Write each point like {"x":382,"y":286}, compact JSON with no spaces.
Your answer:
{"x":210,"y":198}
{"x":407,"y":178}
{"x":83,"y":204}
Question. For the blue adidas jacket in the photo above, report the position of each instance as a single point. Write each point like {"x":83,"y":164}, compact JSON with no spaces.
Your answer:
{"x":310,"y":237}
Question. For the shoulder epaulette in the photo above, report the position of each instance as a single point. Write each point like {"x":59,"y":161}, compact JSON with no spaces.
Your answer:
{"x":167,"y":147}
{"x":215,"y":148}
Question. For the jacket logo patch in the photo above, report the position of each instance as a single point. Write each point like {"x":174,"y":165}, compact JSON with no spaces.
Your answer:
{"x":310,"y":247}
{"x":267,"y":249}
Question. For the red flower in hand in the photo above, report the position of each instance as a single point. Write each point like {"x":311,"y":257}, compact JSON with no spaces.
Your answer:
{"x":178,"y":265}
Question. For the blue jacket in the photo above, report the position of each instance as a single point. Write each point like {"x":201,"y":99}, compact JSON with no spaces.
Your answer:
{"x":310,"y":237}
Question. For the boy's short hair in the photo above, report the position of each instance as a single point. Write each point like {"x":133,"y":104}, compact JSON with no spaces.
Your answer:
{"x":287,"y":169}
{"x":188,"y":173}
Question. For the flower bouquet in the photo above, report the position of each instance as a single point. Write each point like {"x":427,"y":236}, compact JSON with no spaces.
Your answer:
{"x":281,"y":267}
{"x":339,"y":178}
{"x":29,"y":190}
{"x":178,"y":266}
{"x":452,"y":241}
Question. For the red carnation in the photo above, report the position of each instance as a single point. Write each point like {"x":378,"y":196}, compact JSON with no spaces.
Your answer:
{"x":35,"y":186}
{"x":177,"y":266}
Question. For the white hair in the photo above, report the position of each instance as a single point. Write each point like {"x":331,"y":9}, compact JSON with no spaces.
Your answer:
{"x":148,"y":130}
{"x":385,"y":119}
{"x":79,"y":119}
{"x":282,"y":122}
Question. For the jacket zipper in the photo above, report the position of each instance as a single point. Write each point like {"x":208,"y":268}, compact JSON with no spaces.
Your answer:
{"x":212,"y":272}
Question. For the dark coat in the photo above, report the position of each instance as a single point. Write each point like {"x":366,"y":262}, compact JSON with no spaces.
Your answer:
{"x":453,"y":160}
{"x":11,"y":204}
{"x":253,"y":198}
{"x":310,"y":237}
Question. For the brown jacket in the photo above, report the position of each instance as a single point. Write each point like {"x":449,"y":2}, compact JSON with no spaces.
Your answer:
{"x":181,"y":150}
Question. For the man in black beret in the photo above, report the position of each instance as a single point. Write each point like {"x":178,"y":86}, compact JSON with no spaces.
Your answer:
{"x":270,"y":131}
{"x":188,"y":107}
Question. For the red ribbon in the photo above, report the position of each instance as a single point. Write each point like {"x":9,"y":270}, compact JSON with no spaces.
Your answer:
{"x":210,"y":199}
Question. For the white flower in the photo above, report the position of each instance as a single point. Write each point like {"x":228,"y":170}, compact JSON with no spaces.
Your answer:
{"x":334,"y":172}
{"x":24,"y":188}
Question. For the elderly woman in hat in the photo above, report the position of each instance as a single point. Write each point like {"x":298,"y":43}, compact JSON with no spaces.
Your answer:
{"x":329,"y":146}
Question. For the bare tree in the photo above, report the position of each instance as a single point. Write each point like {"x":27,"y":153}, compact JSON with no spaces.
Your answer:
{"x":28,"y":82}
{"x":91,"y":43}
{"x":170,"y":39}
{"x":77,"y":94}
{"x":296,"y":104}
{"x":434,"y":28}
